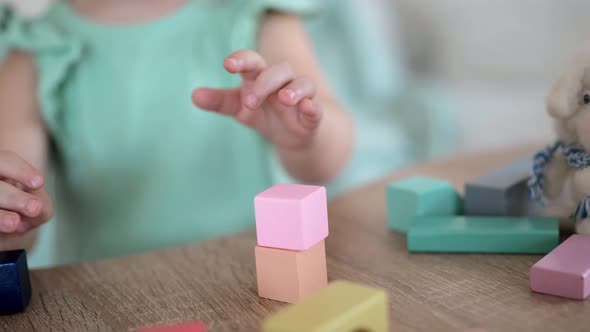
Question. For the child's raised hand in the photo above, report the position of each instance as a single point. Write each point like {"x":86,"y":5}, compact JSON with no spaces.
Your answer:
{"x":24,"y":203}
{"x":270,"y":100}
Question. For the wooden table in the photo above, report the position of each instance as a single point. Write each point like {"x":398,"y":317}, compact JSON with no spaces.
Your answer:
{"x":215,"y":281}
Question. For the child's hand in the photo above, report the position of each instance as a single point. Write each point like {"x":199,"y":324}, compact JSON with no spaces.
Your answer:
{"x":270,"y":100}
{"x":24,"y":203}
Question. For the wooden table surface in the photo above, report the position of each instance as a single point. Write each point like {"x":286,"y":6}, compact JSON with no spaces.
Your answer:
{"x":215,"y":281}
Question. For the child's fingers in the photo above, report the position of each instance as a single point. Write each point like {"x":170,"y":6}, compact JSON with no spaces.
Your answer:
{"x":310,"y":113}
{"x":300,"y":88}
{"x":9,"y":221}
{"x":248,"y":63}
{"x":15,"y":184}
{"x":48,"y":208}
{"x":28,"y":223}
{"x":13,"y":199}
{"x":15,"y":168}
{"x":268,"y":82}
{"x":224,"y":101}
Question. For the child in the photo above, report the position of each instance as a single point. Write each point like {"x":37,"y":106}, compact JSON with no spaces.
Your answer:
{"x":99,"y":90}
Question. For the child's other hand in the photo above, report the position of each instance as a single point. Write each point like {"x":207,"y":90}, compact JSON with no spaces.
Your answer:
{"x":24,"y":203}
{"x":270,"y":100}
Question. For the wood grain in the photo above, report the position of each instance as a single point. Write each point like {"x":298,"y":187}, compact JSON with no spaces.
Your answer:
{"x":215,"y":281}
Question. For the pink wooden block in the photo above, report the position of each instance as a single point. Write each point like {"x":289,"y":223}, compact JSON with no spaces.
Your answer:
{"x":291,"y":216}
{"x":184,"y":327}
{"x":564,"y":271}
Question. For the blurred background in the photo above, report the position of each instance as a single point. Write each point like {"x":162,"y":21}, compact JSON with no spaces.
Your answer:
{"x":491,"y":63}
{"x":497,"y":59}
{"x":426,"y":79}
{"x":494,"y":60}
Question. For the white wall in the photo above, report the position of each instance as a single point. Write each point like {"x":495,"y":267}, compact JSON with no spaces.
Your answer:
{"x":498,"y":58}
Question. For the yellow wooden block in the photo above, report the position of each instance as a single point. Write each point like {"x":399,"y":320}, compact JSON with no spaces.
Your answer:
{"x":341,"y":307}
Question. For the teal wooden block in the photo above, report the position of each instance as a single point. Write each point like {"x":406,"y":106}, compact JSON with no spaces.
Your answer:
{"x":420,"y":196}
{"x":508,"y":235}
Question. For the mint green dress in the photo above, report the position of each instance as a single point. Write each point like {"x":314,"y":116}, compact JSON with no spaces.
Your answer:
{"x":137,"y":167}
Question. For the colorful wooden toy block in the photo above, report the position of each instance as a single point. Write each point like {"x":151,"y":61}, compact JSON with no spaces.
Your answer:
{"x":289,"y":276}
{"x":184,"y":327}
{"x":420,"y":196}
{"x":291,"y":216}
{"x":503,"y":192}
{"x":342,"y":306}
{"x":509,"y":235}
{"x":565,"y":271}
{"x":15,"y":285}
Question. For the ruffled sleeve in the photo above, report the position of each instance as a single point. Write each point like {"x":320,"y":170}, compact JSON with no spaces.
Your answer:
{"x":55,"y":54}
{"x":251,"y":11}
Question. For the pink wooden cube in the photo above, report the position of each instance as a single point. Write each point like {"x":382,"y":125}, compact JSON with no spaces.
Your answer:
{"x":291,"y":216}
{"x":564,"y":271}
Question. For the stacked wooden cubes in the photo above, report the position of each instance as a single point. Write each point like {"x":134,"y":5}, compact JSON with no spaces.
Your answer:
{"x":291,"y":226}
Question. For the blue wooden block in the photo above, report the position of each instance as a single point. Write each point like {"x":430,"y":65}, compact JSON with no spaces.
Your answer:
{"x":502,"y":192}
{"x":420,"y":196}
{"x":15,"y":285}
{"x":502,"y":235}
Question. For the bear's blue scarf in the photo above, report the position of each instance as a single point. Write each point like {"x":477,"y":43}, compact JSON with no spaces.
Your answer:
{"x":576,"y":157}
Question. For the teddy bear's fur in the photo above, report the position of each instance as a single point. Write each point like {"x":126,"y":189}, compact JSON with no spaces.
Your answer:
{"x":564,"y":186}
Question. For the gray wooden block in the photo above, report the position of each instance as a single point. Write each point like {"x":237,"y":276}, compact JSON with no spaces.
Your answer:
{"x":502,"y":192}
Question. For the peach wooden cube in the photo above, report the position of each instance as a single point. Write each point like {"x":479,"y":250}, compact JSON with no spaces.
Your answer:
{"x":291,"y":216}
{"x":289,"y":276}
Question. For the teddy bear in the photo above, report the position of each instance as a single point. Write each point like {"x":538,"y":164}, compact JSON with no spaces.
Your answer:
{"x":561,"y":171}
